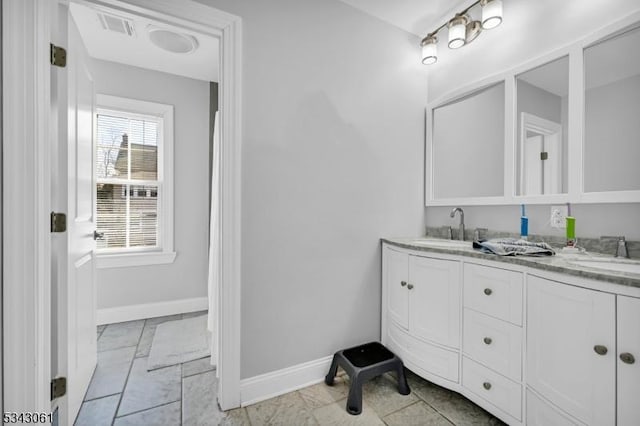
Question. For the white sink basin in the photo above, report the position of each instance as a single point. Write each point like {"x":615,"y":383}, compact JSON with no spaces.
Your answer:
{"x":450,"y":244}
{"x":610,"y":265}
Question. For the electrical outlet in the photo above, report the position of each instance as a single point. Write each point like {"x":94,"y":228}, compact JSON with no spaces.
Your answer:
{"x":558,"y":216}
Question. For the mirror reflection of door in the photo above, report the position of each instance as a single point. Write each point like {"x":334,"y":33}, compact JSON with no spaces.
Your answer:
{"x":541,"y":162}
{"x":542,"y":111}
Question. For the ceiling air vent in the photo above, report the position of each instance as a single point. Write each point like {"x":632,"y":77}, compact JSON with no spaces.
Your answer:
{"x":117,"y":24}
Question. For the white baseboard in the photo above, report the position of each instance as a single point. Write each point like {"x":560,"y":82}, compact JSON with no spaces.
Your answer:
{"x":269,"y":385}
{"x":151,"y":310}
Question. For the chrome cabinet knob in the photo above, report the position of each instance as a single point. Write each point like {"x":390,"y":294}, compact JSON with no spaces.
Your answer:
{"x":403,"y":283}
{"x":600,"y":349}
{"x":410,"y":286}
{"x":486,"y":385}
{"x":98,"y":235}
{"x":487,"y":340}
{"x":627,"y":358}
{"x":488,"y":291}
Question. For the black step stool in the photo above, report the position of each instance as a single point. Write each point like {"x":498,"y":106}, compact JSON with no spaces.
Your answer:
{"x":363,"y":363}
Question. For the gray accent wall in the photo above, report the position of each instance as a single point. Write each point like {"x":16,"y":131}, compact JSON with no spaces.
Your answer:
{"x":332,"y":159}
{"x":187,"y":276}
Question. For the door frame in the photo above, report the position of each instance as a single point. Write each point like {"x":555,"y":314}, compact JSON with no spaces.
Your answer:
{"x":26,"y":203}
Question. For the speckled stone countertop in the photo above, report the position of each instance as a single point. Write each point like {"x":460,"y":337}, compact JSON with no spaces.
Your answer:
{"x":560,"y":263}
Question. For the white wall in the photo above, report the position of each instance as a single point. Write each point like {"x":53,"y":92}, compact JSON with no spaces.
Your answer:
{"x":332,"y":160}
{"x":187,"y":276}
{"x":531,"y":29}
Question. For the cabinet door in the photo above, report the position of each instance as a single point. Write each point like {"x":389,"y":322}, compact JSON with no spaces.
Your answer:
{"x":434,"y":300}
{"x":628,"y":361}
{"x":396,"y":267}
{"x":565,"y":326}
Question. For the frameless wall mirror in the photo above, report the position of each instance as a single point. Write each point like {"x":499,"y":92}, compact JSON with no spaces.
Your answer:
{"x":541,"y":128}
{"x":612,"y":113}
{"x":468,"y":145}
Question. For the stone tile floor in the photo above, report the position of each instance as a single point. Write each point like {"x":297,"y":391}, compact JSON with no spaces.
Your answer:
{"x":123,"y":393}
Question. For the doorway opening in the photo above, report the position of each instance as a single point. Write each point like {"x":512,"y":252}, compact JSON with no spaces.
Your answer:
{"x":28,"y":293}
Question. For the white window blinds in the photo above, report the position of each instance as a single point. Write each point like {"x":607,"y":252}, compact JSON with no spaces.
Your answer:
{"x":127,"y":181}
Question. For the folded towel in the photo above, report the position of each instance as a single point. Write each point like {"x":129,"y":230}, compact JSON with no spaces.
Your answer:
{"x":513,"y":247}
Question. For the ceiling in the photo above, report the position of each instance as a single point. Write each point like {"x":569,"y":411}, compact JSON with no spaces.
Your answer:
{"x":138,"y":50}
{"x":418,"y":17}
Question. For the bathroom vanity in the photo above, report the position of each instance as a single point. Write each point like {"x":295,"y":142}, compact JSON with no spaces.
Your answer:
{"x":535,"y":341}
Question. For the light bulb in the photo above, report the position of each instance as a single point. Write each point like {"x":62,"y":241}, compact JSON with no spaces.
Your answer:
{"x":457,"y":31}
{"x":429,"y":50}
{"x":491,"y":13}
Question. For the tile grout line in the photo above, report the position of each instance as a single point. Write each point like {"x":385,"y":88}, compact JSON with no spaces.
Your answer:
{"x":115,"y":415}
{"x":148,"y":409}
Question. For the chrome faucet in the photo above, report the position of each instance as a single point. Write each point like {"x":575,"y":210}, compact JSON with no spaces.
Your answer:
{"x":621,"y":246}
{"x":461,"y":226}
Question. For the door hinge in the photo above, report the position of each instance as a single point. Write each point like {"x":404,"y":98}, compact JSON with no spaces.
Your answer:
{"x":544,"y":156}
{"x":58,"y":387}
{"x":58,"y":56}
{"x":58,"y":222}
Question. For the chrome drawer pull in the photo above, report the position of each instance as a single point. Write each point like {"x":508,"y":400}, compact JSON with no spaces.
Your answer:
{"x":486,"y":385}
{"x":487,"y":340}
{"x":403,"y":283}
{"x":410,"y":286}
{"x":488,"y":291}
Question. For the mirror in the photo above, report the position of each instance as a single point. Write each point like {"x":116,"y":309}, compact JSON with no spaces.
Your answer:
{"x":541,"y":128}
{"x":612,"y":113}
{"x":468,"y":145}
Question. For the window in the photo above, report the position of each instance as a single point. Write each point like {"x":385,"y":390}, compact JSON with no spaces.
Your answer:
{"x":134,"y":182}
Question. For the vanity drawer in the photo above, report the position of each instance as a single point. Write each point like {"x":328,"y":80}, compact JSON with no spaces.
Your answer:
{"x":491,"y":386}
{"x":493,"y":291}
{"x":431,"y":358}
{"x":494,"y":343}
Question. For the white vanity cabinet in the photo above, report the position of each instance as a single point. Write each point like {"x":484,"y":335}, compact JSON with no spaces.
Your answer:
{"x":492,"y":337}
{"x":530,"y":346}
{"x":571,"y":349}
{"x":628,"y":359}
{"x":421,"y":300}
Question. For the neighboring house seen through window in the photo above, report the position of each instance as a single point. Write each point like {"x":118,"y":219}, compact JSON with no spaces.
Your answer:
{"x":134,"y":199}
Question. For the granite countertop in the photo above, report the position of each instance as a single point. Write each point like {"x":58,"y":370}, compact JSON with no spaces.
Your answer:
{"x":560,"y":263}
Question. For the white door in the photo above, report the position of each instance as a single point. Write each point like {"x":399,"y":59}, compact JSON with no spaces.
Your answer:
{"x":434,"y":300}
{"x":571,"y":349}
{"x":74,"y":255}
{"x":532,"y":165}
{"x":396,"y":266}
{"x":628,"y":357}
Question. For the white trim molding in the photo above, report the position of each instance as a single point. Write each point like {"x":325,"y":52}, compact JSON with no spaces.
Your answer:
{"x":125,"y":260}
{"x":27,"y":172}
{"x":228,"y":28}
{"x":121,"y":106}
{"x":151,"y":310}
{"x":26,"y":204}
{"x":275,"y":383}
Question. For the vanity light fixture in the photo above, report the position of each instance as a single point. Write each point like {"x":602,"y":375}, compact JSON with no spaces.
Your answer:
{"x":458,"y":31}
{"x":429,"y":49}
{"x":462,"y":29}
{"x":491,"y":13}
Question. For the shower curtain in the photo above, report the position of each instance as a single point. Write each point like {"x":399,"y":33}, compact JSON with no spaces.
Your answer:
{"x":214,"y":244}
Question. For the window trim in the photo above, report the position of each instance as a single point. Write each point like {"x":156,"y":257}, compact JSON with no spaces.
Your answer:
{"x":165,"y":253}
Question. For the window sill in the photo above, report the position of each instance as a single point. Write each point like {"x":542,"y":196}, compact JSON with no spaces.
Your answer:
{"x":104,"y":261}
